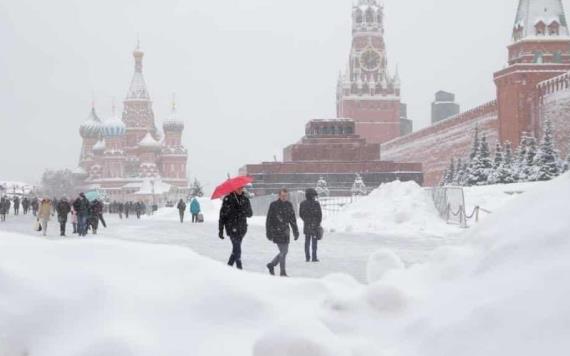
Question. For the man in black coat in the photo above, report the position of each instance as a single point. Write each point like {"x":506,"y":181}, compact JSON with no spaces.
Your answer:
{"x":16,"y":206}
{"x":235,"y":210}
{"x":63,"y":209}
{"x":35,"y":206}
{"x":280,"y":217}
{"x":25,"y":205}
{"x":312,"y":216}
{"x":181,"y":209}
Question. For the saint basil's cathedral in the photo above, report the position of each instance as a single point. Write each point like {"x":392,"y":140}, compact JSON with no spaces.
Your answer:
{"x":129,"y":157}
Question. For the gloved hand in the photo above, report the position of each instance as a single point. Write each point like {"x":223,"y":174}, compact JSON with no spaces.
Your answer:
{"x":296,"y":236}
{"x":221,"y":235}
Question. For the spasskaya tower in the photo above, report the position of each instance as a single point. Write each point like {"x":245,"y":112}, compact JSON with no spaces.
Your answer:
{"x":367,"y":92}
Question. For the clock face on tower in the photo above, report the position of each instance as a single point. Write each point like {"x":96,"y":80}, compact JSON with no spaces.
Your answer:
{"x":370,"y":59}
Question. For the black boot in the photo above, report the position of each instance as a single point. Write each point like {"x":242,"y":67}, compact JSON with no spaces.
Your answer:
{"x":271,"y":269}
{"x":231,"y":261}
{"x":284,"y":274}
{"x":239,"y":265}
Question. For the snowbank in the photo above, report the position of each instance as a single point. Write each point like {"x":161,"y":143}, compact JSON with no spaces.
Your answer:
{"x":394,"y":208}
{"x":210,"y":210}
{"x":504,"y":292}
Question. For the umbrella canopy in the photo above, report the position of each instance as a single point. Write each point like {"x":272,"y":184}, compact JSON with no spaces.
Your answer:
{"x":92,"y":195}
{"x":231,"y":185}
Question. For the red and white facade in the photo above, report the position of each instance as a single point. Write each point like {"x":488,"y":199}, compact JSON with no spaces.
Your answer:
{"x":121,"y":156}
{"x":367,"y":92}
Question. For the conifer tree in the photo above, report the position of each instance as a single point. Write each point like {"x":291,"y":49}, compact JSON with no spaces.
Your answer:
{"x":547,"y":166}
{"x":322,"y":187}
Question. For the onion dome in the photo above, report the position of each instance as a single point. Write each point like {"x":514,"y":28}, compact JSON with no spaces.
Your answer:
{"x":114,"y":127}
{"x":91,"y":128}
{"x":148,"y":142}
{"x":99,"y":146}
{"x":173,"y":123}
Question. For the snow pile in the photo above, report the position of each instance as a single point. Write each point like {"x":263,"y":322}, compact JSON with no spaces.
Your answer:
{"x":504,"y":292}
{"x":397,"y":207}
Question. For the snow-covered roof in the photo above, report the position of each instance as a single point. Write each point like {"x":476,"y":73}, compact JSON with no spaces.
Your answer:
{"x":149,"y":142}
{"x":147,"y":186}
{"x":99,"y":146}
{"x":173,"y":122}
{"x":532,"y":12}
{"x":91,"y":128}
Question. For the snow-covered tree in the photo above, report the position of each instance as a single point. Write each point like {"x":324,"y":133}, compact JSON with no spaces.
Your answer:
{"x":358,"y":187}
{"x":459,"y":172}
{"x":57,"y":184}
{"x":196,"y":189}
{"x":520,"y":166}
{"x":567,"y":164}
{"x":322,"y":187}
{"x":545,"y":163}
{"x":481,"y":165}
{"x":476,"y":145}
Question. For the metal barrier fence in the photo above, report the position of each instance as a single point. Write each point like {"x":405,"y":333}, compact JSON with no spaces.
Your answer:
{"x":450,"y":203}
{"x":329,"y":205}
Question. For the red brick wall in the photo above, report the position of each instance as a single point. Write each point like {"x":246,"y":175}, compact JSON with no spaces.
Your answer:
{"x":434,"y":146}
{"x":378,"y":121}
{"x":555,"y":106}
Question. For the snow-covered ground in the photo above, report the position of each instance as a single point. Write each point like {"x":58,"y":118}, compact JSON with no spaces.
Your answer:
{"x":499,"y":288}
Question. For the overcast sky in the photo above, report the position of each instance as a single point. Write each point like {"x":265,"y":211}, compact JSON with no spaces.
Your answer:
{"x":248,"y":74}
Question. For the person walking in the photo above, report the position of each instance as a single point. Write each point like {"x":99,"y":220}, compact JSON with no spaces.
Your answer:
{"x":95,"y":209}
{"x":236,"y":209}
{"x":35,"y":206}
{"x":74,"y":219}
{"x":63,"y":209}
{"x":25,"y":205}
{"x":3,"y":207}
{"x":280,"y":220}
{"x":81,"y":207}
{"x":120,"y":209}
{"x":181,"y":209}
{"x":16,"y":206}
{"x":139,"y":209}
{"x":195,"y":209}
{"x":128,"y":208}
{"x":44,"y":214}
{"x":312,"y":215}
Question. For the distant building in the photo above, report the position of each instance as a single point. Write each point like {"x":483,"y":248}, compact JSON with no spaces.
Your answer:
{"x":406,"y":125}
{"x":443,"y":107}
{"x":129,"y":157}
{"x":332,"y":150}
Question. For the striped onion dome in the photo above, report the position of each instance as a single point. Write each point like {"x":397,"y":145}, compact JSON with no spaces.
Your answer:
{"x":91,"y":128}
{"x":114,"y":127}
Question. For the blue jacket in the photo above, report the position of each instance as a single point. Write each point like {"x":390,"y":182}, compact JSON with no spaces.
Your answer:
{"x":195,"y":206}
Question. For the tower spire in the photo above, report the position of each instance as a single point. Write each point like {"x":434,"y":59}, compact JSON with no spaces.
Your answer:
{"x":540,"y":18}
{"x":138,"y":90}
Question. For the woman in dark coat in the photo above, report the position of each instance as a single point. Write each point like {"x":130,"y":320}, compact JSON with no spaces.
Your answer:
{"x":235,"y":210}
{"x":312,"y":216}
{"x":280,"y":220}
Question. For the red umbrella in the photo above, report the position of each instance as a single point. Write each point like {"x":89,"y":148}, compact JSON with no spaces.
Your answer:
{"x":231,"y":185}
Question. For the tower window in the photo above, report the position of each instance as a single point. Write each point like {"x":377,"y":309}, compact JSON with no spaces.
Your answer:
{"x":540,"y":28}
{"x":554,"y":29}
{"x":538,"y":57}
{"x":369,"y":15}
{"x":557,"y":57}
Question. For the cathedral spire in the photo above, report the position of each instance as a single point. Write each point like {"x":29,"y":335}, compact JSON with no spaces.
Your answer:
{"x":540,"y":19}
{"x":138,"y":90}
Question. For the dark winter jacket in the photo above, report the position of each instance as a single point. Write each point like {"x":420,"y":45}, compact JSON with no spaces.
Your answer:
{"x":181,"y":206}
{"x":311,"y":213}
{"x":16,"y":203}
{"x":233,"y":215}
{"x":25,"y":203}
{"x":63,"y":209}
{"x":280,"y":216}
{"x":81,"y":206}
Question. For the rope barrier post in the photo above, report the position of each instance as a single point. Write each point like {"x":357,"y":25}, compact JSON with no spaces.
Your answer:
{"x":463,"y":217}
{"x":448,"y":212}
{"x":477,"y":214}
